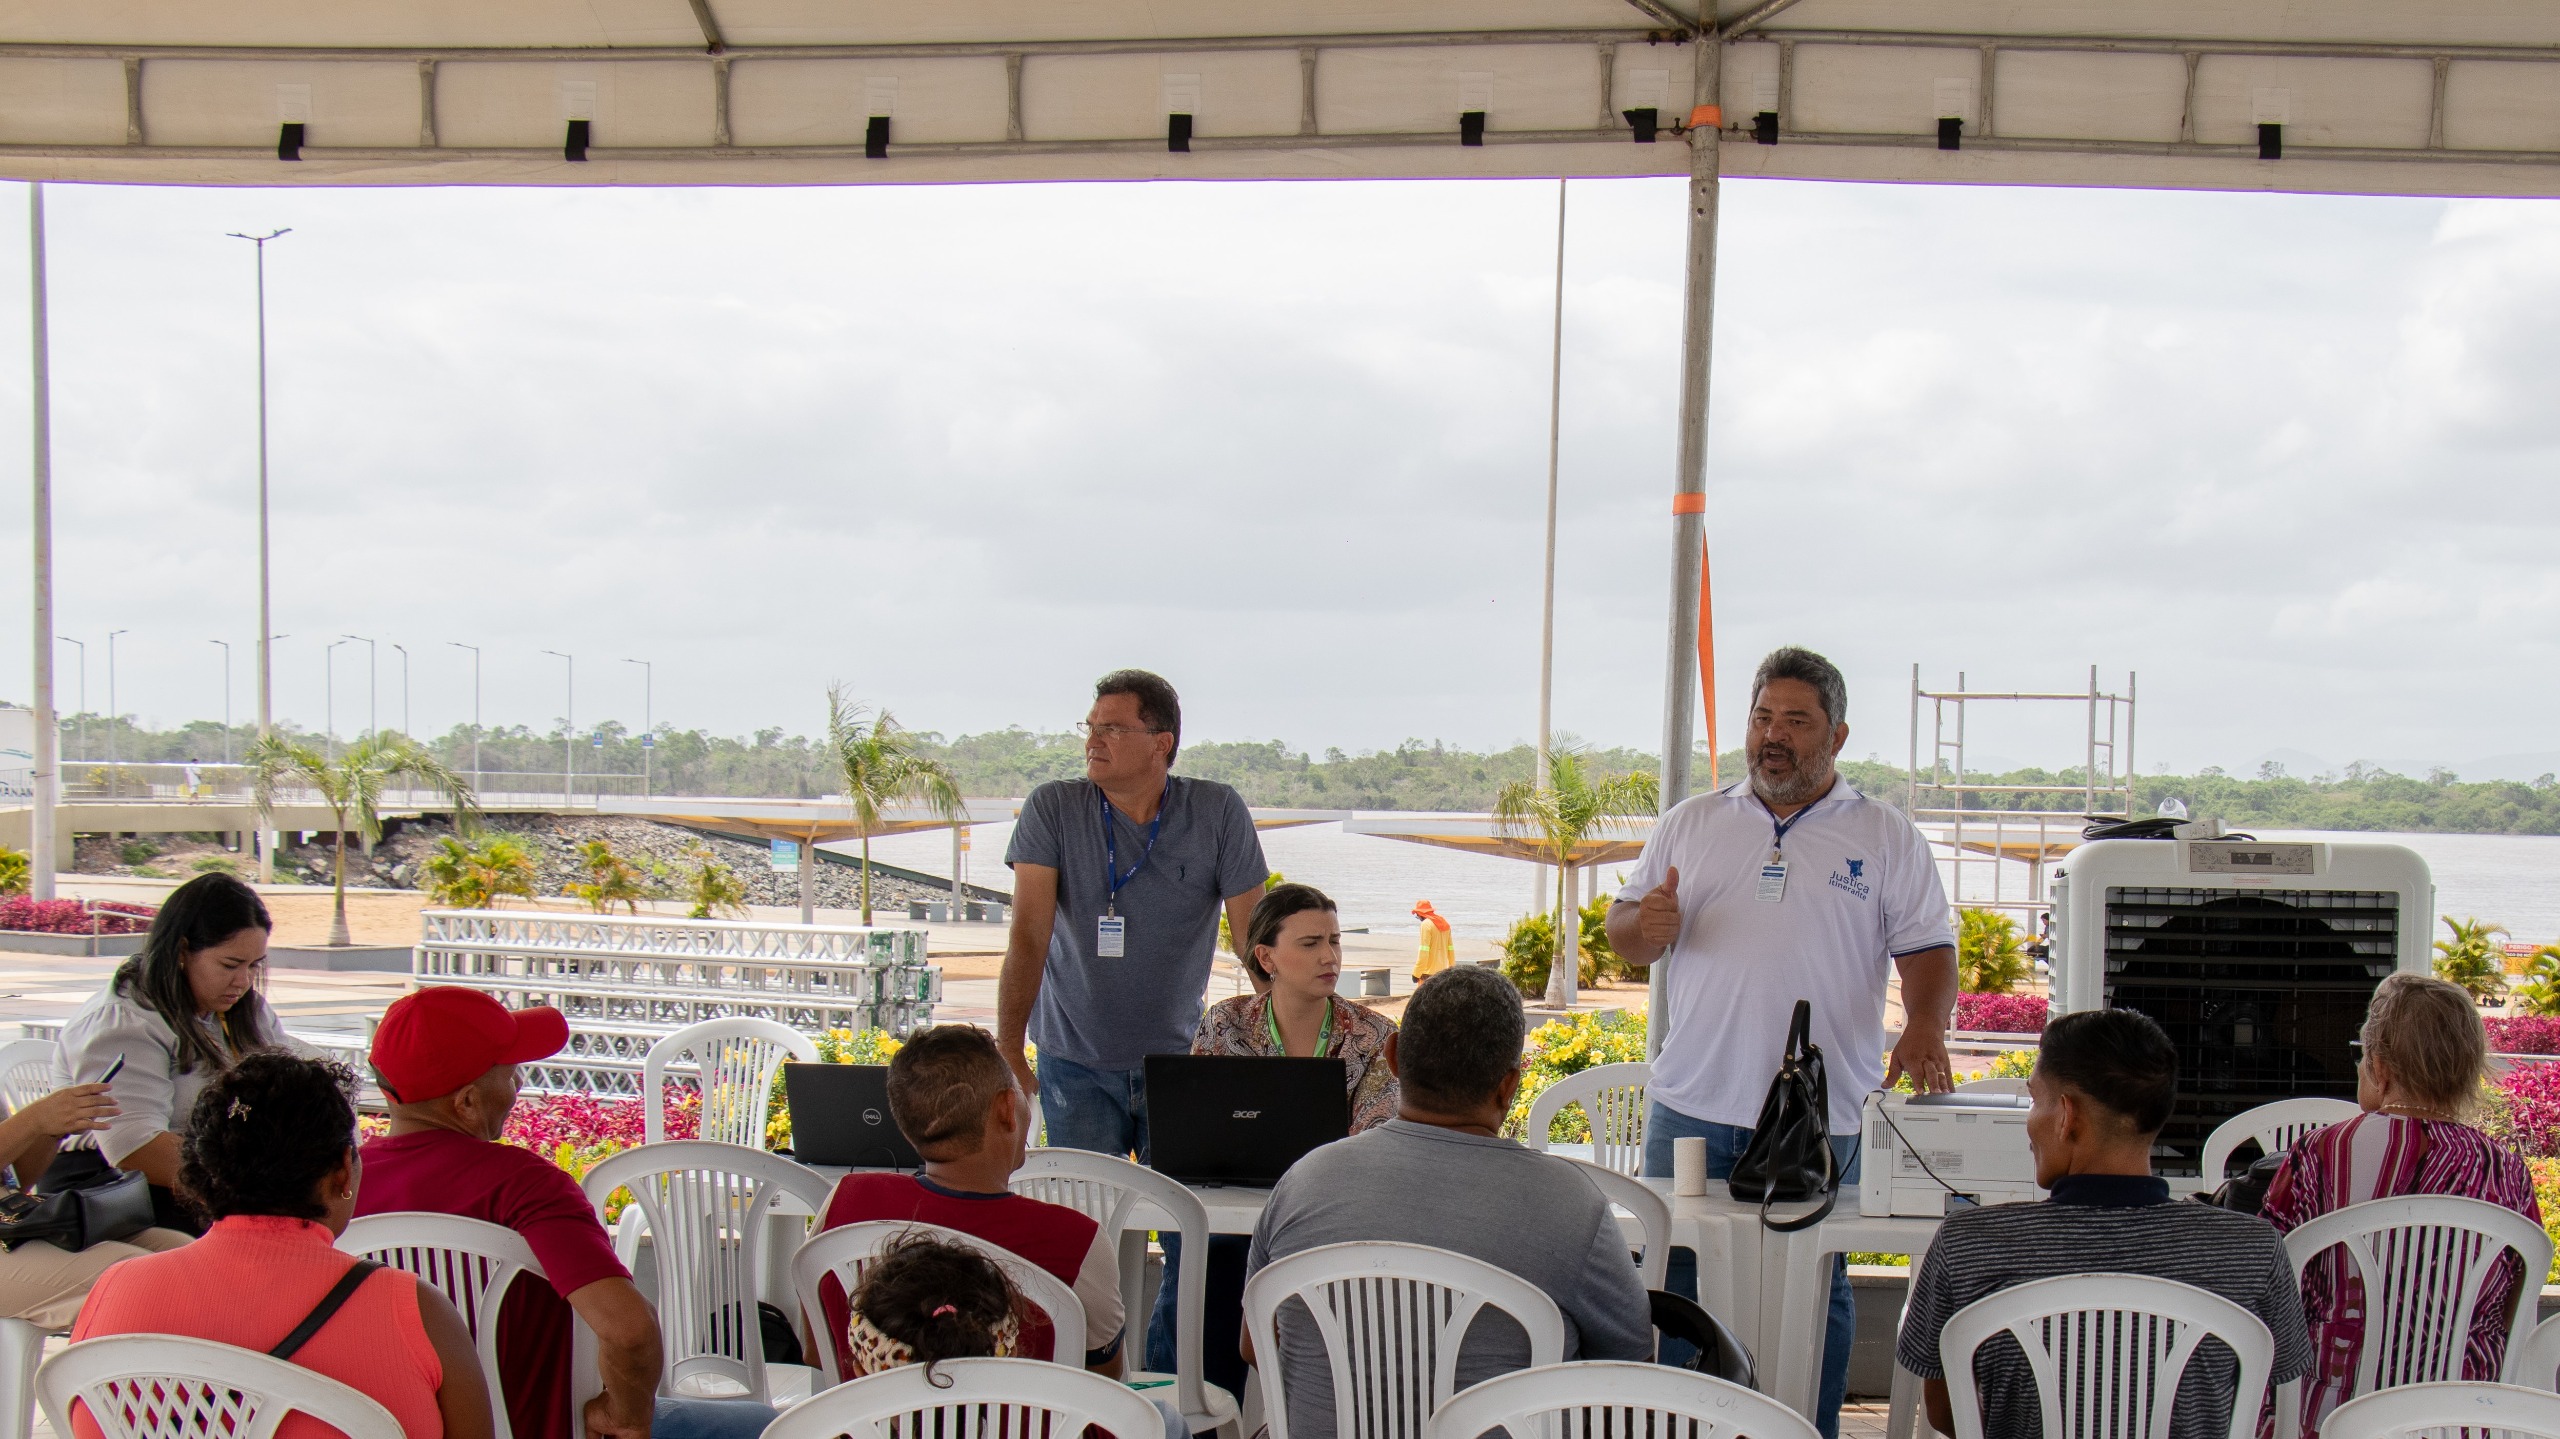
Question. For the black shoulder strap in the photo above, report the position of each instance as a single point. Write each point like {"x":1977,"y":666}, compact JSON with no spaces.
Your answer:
{"x":357,"y":1273}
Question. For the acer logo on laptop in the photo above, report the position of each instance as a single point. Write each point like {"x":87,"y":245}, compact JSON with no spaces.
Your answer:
{"x":1246,"y":1114}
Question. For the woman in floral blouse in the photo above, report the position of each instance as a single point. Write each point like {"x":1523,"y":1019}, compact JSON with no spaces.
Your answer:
{"x":1293,"y":947}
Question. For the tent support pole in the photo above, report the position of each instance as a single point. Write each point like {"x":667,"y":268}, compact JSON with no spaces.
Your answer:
{"x":1689,"y":483}
{"x":48,"y":735}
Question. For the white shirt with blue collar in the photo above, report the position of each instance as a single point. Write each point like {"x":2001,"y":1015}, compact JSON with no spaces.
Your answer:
{"x":1860,"y":890}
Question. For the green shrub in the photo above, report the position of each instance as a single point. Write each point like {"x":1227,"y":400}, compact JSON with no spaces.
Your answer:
{"x":1529,"y":951}
{"x":1990,"y":956}
{"x":137,"y":851}
{"x":13,"y":870}
{"x":1570,"y":1045}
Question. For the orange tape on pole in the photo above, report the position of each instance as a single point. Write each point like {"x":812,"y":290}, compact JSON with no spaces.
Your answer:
{"x":1689,"y":504}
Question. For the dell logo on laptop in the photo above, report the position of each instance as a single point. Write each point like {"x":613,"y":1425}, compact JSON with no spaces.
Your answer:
{"x":1246,"y":1114}
{"x":871,"y":1117}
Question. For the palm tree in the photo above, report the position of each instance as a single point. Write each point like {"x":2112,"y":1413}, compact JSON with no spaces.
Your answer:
{"x":2471,"y":958}
{"x":351,"y":786}
{"x":1990,"y":956}
{"x":1571,"y":808}
{"x":461,"y":876}
{"x":713,"y":888}
{"x":610,"y":880}
{"x":882,"y":765}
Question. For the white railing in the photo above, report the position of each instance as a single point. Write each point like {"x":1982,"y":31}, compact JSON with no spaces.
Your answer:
{"x":553,"y":934}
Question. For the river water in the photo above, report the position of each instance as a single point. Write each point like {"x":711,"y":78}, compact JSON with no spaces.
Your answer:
{"x":2507,"y":879}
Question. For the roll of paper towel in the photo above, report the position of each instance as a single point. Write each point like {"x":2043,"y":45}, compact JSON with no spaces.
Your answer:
{"x":1688,"y":1166}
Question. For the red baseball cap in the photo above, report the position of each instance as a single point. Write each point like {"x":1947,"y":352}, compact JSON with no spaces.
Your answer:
{"x":439,"y":1039}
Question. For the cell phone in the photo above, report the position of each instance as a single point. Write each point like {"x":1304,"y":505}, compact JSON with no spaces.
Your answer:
{"x":114,"y":1069}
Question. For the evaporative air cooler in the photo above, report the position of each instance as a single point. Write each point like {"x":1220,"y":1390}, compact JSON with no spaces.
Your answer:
{"x":2257,"y":958}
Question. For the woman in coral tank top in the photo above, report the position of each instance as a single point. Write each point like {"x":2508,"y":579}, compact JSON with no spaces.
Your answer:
{"x":270,"y":1159}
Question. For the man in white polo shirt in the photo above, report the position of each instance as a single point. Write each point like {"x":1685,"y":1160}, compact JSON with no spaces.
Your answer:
{"x":1788,"y":885}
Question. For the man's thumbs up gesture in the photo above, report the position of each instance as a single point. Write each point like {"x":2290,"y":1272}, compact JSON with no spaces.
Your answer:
{"x":1658,"y":913}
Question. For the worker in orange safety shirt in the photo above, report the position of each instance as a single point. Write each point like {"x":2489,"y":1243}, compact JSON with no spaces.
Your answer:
{"x":1437,"y":951}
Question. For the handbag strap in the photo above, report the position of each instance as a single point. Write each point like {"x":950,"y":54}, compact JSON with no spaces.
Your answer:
{"x":1800,"y":1030}
{"x":330,"y":1303}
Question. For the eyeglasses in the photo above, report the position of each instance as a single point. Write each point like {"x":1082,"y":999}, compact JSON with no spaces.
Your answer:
{"x":1111,"y":733}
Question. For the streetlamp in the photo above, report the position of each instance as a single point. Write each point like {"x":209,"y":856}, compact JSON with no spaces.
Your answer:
{"x":115,"y":777}
{"x":226,"y":697}
{"x":475,"y":708}
{"x":266,"y":588}
{"x":329,"y":694}
{"x":404,"y":690}
{"x":372,"y":725}
{"x":648,"y":722}
{"x":84,"y":691}
{"x":569,"y":736}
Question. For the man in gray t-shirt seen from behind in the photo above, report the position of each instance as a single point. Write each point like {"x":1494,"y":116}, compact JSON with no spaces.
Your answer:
{"x":1118,"y":879}
{"x":1440,"y":1173}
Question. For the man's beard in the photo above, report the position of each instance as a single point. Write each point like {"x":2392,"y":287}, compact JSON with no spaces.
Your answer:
{"x":1805,"y":786}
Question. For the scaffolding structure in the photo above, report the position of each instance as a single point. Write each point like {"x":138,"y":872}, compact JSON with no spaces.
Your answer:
{"x":1992,"y":857}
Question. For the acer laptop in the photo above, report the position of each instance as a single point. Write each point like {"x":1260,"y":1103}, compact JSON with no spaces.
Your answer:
{"x":840,"y":1117}
{"x":1236,"y":1119}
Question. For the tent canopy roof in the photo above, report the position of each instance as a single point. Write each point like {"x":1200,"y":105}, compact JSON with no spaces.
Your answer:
{"x":2363,"y":95}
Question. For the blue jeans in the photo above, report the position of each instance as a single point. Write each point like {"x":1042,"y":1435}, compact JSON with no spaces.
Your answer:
{"x":709,"y":1419}
{"x":1725,"y":1143}
{"x":1104,"y":1110}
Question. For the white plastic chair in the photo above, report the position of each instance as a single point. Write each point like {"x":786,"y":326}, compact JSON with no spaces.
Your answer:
{"x":1612,"y":1095}
{"x":2537,"y":1364}
{"x":710,"y":1210}
{"x":1652,"y":1213}
{"x":159,"y":1386}
{"x":1127,"y":1200}
{"x":848,"y":1249}
{"x":1615,"y":1397}
{"x":21,"y":1350}
{"x":1392,"y":1318}
{"x":2113,"y":1344}
{"x":739,"y":1058}
{"x":2275,"y":1126}
{"x":2424,"y":1260}
{"x":30,"y":1069}
{"x":984,"y":1397}
{"x":2458,"y":1409}
{"x":476,"y":1264}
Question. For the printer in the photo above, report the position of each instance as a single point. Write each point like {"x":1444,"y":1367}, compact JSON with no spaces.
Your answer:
{"x":1930,"y":1155}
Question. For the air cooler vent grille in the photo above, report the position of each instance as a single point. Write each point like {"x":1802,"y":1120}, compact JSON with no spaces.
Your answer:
{"x":2261,"y":990}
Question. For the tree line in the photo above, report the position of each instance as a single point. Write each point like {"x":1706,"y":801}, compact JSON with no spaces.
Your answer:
{"x":1415,"y":775}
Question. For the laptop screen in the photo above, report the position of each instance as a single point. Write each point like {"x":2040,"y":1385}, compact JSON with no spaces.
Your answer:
{"x":1240,"y":1119}
{"x":840,"y":1117}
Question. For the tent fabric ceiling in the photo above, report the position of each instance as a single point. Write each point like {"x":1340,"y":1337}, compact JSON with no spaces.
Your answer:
{"x":2369,"y":95}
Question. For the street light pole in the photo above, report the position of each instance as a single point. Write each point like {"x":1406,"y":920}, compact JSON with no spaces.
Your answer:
{"x":648,"y":723}
{"x":329,"y":694}
{"x":266,"y":588}
{"x":475,"y":708}
{"x":226,"y":697}
{"x":569,"y":736}
{"x":48,"y":736}
{"x":84,"y":691}
{"x":372,"y":723}
{"x":404,"y":690}
{"x":115,"y":776}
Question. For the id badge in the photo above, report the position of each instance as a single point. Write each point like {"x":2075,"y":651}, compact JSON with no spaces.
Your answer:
{"x":1111,"y":937}
{"x":1773,"y":882}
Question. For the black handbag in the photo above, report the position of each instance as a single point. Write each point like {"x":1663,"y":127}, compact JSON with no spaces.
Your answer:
{"x":1789,"y":1158}
{"x":74,"y":1219}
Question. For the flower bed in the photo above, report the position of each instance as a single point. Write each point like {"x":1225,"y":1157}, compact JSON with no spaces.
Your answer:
{"x":1569,"y":1046}
{"x":2001,"y":1013}
{"x":2525,"y":1034}
{"x":72,"y":916}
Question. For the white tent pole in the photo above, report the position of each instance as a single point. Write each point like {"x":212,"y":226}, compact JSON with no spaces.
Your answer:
{"x":1689,"y":481}
{"x":1555,"y":421}
{"x":48,"y":746}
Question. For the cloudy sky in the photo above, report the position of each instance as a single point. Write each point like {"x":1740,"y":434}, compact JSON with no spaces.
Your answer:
{"x":965,"y":448}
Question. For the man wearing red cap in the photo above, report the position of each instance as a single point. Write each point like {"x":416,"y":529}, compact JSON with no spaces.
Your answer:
{"x":446,"y":1058}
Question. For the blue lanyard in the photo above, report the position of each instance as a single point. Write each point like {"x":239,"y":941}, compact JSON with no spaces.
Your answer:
{"x":1111,"y":845}
{"x":1778,"y":828}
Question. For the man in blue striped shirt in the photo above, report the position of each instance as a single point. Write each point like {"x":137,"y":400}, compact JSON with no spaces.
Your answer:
{"x":2103,"y":1086}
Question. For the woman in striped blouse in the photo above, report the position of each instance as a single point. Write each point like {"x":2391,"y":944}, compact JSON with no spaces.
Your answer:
{"x":2425,"y":1055}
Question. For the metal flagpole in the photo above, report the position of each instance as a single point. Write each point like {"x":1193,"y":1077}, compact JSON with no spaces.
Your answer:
{"x":48,"y":737}
{"x":1691,"y":635}
{"x":266,"y":589}
{"x":1565,"y":970}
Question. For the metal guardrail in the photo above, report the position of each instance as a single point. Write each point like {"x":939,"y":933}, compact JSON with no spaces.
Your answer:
{"x":541,"y":938}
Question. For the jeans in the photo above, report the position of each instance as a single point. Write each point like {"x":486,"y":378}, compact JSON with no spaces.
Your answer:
{"x":1725,"y":1143}
{"x":709,"y":1419}
{"x":1104,"y":1110}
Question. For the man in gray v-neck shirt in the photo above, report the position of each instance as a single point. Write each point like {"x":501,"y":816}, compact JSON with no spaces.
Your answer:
{"x":1439,"y":1174}
{"x":1118,"y":879}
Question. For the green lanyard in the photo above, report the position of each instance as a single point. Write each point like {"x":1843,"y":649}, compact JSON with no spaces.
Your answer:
{"x":1324,"y":1040}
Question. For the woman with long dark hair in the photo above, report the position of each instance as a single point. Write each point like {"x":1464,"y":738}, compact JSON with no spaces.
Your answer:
{"x":175,"y":1015}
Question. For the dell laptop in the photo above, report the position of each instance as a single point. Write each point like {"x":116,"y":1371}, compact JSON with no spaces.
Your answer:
{"x":1236,"y":1119}
{"x":840,"y":1117}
